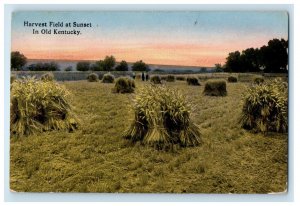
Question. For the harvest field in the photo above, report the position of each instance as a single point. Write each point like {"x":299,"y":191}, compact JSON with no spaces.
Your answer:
{"x":95,"y":158}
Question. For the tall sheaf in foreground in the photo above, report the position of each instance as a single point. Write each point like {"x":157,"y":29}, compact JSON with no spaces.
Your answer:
{"x":38,"y":106}
{"x":162,"y":119}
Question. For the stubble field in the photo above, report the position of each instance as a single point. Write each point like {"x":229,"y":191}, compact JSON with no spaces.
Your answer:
{"x":96,"y":159}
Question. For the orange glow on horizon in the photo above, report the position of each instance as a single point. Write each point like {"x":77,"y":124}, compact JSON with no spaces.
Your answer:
{"x":151,"y":53}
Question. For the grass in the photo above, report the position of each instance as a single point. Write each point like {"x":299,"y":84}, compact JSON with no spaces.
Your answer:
{"x":96,"y":159}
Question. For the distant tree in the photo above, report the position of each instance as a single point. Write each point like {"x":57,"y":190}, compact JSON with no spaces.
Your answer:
{"x":219,"y":68}
{"x":140,"y":66}
{"x":52,"y":66}
{"x":123,"y":66}
{"x":17,"y":60}
{"x":233,"y":62}
{"x":249,"y":60}
{"x":108,"y":63}
{"x":47,"y":66}
{"x":96,"y":67}
{"x":83,"y":66}
{"x":269,"y":58}
{"x":69,"y":68}
{"x":274,"y":56}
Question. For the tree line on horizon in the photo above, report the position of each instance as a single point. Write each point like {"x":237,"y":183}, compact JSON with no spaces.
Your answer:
{"x":109,"y":64}
{"x":18,"y":61}
{"x":270,"y":58}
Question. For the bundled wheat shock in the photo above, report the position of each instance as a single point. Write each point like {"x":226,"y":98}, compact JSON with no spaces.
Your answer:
{"x":93,"y":77}
{"x":155,"y":79}
{"x":124,"y":85}
{"x":108,"y":78}
{"x":192,"y":81}
{"x":38,"y":106}
{"x":215,"y":88}
{"x":162,"y":119}
{"x":265,"y":107}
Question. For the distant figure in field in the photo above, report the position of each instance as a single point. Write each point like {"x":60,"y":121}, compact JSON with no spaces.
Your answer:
{"x":133,"y":75}
{"x":143,"y":76}
{"x":147,"y":76}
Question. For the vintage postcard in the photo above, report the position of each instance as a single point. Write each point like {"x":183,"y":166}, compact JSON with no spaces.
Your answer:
{"x":149,"y":102}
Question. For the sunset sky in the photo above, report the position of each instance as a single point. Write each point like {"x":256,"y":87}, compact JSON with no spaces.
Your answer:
{"x":172,"y":38}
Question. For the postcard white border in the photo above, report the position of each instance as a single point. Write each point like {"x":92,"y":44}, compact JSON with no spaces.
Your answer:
{"x":132,"y":197}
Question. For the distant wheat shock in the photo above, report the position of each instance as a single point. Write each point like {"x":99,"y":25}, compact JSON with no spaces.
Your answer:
{"x":215,"y":88}
{"x":155,"y":79}
{"x":162,"y":119}
{"x":192,"y":81}
{"x":108,"y":78}
{"x":93,"y":77}
{"x":124,"y":85}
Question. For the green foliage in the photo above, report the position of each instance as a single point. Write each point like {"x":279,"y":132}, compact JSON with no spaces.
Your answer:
{"x":219,"y":68}
{"x":123,"y":66}
{"x":104,"y":65}
{"x":108,"y":78}
{"x":124,"y":85}
{"x":47,"y":66}
{"x":17,"y":60}
{"x":170,"y":78}
{"x":93,"y":77}
{"x":270,"y":58}
{"x":68,"y":69}
{"x":155,"y":79}
{"x":108,"y":63}
{"x":83,"y":66}
{"x":180,"y":78}
{"x":258,"y":80}
{"x":96,"y":66}
{"x":38,"y":106}
{"x":162,"y":119}
{"x":215,"y":88}
{"x":274,"y":56}
{"x":265,"y":107}
{"x":140,"y":66}
{"x":192,"y":81}
{"x":232,"y":79}
{"x":47,"y":77}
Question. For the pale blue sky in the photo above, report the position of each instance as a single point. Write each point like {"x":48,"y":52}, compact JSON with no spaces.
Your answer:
{"x":219,"y":31}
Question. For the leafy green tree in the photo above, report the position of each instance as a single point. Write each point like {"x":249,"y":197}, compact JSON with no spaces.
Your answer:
{"x":123,"y":66}
{"x":233,"y":62}
{"x":17,"y":60}
{"x":219,"y":68}
{"x":108,"y":63}
{"x":40,"y":66}
{"x":274,"y":56}
{"x":68,"y":68}
{"x":270,"y":58}
{"x":249,"y":60}
{"x":95,"y":67}
{"x":83,"y":66}
{"x":140,"y":66}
